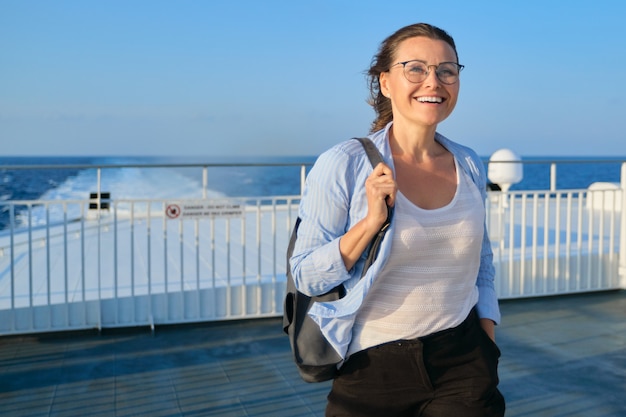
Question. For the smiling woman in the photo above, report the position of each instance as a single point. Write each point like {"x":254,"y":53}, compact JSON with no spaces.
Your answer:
{"x":428,"y":301}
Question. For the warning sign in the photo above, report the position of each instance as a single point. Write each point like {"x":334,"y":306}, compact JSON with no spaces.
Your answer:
{"x":172,"y":211}
{"x":202,"y":209}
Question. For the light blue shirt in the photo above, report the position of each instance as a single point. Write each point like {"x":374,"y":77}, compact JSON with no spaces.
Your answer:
{"x":333,"y":201}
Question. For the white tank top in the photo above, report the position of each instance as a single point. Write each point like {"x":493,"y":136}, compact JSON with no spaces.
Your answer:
{"x":429,"y":281}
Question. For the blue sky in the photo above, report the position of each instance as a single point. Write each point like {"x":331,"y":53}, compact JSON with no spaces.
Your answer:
{"x":280,"y":77}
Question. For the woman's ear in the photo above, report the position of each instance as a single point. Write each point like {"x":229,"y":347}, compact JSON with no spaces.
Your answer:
{"x":383,"y":82}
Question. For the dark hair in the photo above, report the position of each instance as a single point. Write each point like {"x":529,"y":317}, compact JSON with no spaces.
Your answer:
{"x":383,"y":60}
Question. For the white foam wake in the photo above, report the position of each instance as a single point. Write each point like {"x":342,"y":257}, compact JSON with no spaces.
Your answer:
{"x":137,"y":183}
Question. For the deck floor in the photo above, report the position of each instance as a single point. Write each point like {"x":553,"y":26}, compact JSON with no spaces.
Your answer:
{"x":562,"y":356}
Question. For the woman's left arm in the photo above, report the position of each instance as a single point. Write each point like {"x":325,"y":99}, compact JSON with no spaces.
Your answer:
{"x":488,"y":308}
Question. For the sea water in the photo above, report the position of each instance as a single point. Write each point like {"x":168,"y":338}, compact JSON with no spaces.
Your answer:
{"x":252,"y":180}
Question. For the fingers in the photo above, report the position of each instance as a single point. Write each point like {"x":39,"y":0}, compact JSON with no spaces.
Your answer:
{"x":382,"y":179}
{"x":382,"y":169}
{"x":381,"y":190}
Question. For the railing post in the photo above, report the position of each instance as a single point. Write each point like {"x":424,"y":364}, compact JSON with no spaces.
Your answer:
{"x":302,"y":178}
{"x":98,"y":190}
{"x":553,"y":177}
{"x":622,"y":238}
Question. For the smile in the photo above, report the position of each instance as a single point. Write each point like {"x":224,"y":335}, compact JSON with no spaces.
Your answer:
{"x":430,"y":99}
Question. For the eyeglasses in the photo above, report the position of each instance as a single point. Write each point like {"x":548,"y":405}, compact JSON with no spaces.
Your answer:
{"x":417,"y":71}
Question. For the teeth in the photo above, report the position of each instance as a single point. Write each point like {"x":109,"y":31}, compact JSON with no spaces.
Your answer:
{"x":430,"y":99}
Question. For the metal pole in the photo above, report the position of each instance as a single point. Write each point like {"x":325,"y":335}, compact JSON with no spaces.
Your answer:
{"x":205,"y":181}
{"x":622,"y":239}
{"x":553,"y":177}
{"x":98,"y":190}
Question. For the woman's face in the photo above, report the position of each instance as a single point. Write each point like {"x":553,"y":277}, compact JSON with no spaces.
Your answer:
{"x":426,"y":103}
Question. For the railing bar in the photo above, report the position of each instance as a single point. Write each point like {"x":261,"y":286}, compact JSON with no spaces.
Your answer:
{"x":48,"y":273}
{"x":181,"y":237}
{"x":83,"y":275}
{"x":30,"y":264}
{"x":621,"y":259}
{"x":131,"y":237}
{"x":535,"y":232}
{"x":98,"y":194}
{"x":197,"y":243}
{"x":523,"y":225}
{"x":601,"y":241}
{"x":259,"y":249}
{"x":149,"y":261}
{"x":568,"y":236}
{"x":590,"y":238}
{"x":579,"y":240}
{"x":205,"y":181}
{"x":132,"y":249}
{"x":115,"y":262}
{"x":259,"y":241}
{"x":228,"y":280}
{"x":205,"y":186}
{"x":546,"y":239}
{"x":12,"y":244}
{"x":66,"y":264}
{"x":557,"y":241}
{"x":612,"y":228}
{"x":99,"y":271}
{"x":98,"y":189}
{"x":244,"y":286}
{"x":98,"y":264}
{"x":511,"y":205}
{"x":213,"y":275}
{"x":274,"y":254}
{"x":165,"y":264}
{"x":502,"y":243}
{"x":265,"y":164}
{"x":302,"y":178}
{"x":12,"y":265}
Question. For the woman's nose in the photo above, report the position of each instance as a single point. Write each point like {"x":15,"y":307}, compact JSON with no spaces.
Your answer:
{"x":431,"y":78}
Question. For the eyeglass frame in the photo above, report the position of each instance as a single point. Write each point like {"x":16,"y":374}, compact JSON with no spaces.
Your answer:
{"x":459,"y":68}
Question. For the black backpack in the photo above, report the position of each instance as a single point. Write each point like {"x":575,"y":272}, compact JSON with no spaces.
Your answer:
{"x":315,"y":358}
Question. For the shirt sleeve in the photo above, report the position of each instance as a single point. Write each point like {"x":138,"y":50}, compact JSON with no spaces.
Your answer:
{"x":487,"y":306}
{"x":487,"y":298}
{"x":316,"y":262}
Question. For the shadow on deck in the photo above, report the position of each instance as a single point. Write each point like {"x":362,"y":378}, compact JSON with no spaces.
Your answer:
{"x":562,"y":356}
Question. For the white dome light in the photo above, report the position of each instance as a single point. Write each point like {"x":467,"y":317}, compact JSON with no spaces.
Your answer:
{"x":506,"y":173}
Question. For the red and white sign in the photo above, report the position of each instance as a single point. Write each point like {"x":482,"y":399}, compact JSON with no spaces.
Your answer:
{"x":203,"y":209}
{"x":172,"y":211}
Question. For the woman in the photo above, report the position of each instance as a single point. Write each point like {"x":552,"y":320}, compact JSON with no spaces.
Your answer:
{"x":417,"y":331}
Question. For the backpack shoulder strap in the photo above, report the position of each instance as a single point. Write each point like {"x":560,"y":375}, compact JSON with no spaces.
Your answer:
{"x":372,"y":152}
{"x":375,"y":158}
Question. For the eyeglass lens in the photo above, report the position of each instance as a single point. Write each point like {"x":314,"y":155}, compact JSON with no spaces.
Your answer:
{"x":416,"y":72}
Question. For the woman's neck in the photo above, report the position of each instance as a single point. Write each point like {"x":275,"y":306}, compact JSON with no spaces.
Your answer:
{"x":416,"y":144}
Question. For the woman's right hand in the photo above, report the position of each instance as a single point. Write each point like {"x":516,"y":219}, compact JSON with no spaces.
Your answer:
{"x":381,"y":189}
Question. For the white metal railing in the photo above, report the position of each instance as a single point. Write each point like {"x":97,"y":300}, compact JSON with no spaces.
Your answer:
{"x":135,"y":266}
{"x":549,"y":243}
{"x":131,"y":265}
